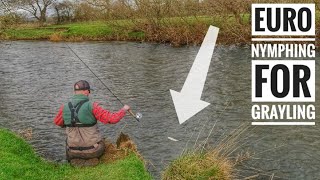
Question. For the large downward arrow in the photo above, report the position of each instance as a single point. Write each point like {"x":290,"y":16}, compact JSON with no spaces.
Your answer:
{"x":187,"y":103}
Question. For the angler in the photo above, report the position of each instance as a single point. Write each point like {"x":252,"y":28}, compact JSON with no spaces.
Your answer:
{"x":80,"y":116}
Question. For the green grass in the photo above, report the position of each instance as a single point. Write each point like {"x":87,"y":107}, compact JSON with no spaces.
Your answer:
{"x":93,"y":29}
{"x":86,"y":31}
{"x":97,"y":29}
{"x":19,"y":161}
{"x":29,"y":33}
{"x":200,"y":166}
{"x":101,"y":30}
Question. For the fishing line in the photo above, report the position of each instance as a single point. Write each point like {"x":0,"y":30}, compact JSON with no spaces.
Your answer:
{"x":137,"y":116}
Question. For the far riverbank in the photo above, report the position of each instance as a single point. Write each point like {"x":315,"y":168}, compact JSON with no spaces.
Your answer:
{"x":174,"y":31}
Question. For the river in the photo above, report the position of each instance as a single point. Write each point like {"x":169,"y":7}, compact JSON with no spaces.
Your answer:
{"x":36,"y":77}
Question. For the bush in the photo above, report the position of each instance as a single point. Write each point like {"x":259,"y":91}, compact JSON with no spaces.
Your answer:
{"x":9,"y":20}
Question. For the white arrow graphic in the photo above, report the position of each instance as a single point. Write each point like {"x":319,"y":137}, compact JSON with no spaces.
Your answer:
{"x":187,"y":103}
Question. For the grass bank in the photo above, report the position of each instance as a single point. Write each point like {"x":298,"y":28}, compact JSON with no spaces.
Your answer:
{"x":176,"y":31}
{"x":19,"y":161}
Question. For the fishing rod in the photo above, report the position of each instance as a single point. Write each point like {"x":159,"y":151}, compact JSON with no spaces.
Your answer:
{"x":136,"y":116}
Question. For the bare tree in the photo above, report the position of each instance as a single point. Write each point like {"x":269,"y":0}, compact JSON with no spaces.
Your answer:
{"x":64,"y":11}
{"x":4,"y":7}
{"x":37,"y":8}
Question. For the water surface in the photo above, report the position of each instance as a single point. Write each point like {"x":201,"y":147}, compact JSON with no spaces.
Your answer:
{"x":37,"y":77}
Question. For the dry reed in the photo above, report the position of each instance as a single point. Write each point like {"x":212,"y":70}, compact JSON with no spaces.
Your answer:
{"x":55,"y":37}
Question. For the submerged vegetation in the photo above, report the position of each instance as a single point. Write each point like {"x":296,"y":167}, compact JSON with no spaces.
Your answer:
{"x":19,"y":161}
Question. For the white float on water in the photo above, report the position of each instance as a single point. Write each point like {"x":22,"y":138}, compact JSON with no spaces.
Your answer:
{"x":172,"y":139}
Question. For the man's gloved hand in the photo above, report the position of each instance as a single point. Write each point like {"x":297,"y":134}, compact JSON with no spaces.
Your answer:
{"x":126,"y":107}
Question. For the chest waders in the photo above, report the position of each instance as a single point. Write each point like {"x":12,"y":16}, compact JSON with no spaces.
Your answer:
{"x":82,"y":124}
{"x":75,"y":122}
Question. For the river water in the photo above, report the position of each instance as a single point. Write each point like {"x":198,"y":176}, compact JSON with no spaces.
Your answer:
{"x":37,"y":77}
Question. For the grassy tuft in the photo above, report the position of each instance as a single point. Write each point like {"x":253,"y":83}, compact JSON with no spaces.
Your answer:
{"x":211,"y":162}
{"x":55,"y":37}
{"x":199,"y":165}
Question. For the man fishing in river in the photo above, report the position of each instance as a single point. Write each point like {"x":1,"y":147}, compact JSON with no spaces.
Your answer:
{"x":80,"y":116}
